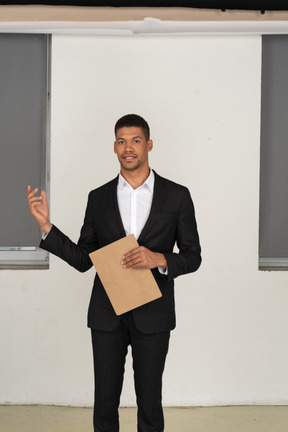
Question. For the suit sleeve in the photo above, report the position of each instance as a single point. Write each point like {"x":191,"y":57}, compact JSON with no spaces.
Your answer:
{"x":188,"y":259}
{"x":76,"y":255}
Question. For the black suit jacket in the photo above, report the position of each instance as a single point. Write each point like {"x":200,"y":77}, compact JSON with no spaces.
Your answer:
{"x":171,"y":220}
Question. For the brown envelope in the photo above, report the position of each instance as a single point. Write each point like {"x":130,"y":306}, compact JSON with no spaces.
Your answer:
{"x":129,"y":288}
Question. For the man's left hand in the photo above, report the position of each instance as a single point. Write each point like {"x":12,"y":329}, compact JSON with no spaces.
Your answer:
{"x":141,"y":257}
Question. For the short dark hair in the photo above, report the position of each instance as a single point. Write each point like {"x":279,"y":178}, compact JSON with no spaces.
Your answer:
{"x":133,"y":120}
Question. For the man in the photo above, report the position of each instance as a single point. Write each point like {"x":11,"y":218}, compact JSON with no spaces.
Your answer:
{"x":160,"y":213}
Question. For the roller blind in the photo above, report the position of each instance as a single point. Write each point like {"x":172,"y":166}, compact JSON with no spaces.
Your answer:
{"x":23,"y":134}
{"x":273,"y":234}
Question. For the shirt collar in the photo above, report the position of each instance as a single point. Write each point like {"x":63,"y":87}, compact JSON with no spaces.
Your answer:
{"x":149,"y":181}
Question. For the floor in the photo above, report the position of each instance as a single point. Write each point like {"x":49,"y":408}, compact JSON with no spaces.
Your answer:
{"x":208,"y":419}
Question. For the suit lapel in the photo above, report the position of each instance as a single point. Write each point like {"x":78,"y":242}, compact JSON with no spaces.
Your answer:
{"x":159,"y":195}
{"x":112,"y":202}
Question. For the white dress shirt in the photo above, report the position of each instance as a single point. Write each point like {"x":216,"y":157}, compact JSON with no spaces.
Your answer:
{"x":135,"y":205}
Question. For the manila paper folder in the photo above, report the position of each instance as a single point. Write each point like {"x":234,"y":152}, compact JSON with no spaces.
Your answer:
{"x":129,"y":288}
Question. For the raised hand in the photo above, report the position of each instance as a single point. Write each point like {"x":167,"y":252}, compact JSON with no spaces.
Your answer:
{"x":38,"y":207}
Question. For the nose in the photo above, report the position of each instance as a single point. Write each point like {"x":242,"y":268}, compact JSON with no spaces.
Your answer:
{"x":128,"y":145}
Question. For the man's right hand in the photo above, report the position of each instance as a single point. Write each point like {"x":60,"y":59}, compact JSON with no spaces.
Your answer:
{"x":38,"y":207}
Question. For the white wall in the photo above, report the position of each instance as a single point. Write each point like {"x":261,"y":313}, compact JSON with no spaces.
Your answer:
{"x":201,"y":96}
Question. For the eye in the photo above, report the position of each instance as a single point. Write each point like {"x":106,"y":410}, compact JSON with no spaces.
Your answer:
{"x":136,"y":141}
{"x":120,"y":142}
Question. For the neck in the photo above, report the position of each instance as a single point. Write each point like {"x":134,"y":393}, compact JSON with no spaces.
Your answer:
{"x":135,"y":177}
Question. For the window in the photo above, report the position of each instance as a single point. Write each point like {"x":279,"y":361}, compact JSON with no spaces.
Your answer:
{"x":24,"y":120}
{"x":273,"y":234}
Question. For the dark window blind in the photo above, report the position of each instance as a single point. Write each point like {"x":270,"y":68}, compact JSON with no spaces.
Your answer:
{"x":23,"y":123}
{"x":273,"y":235}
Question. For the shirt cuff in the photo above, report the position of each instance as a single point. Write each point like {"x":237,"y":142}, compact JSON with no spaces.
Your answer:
{"x":163,"y":270}
{"x":44,"y":235}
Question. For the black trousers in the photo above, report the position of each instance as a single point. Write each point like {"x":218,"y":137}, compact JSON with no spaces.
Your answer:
{"x":149,"y":353}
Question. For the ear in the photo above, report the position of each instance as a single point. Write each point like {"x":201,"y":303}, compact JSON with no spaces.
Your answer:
{"x":115,"y":146}
{"x":149,"y":145}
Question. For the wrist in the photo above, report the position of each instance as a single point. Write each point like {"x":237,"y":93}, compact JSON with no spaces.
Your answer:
{"x":46,"y":227}
{"x":162,"y":261}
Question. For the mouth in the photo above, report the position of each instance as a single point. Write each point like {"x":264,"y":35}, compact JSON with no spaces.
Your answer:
{"x":129,"y":157}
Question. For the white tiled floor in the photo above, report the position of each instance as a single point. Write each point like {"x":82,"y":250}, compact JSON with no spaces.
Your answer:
{"x":211,"y":419}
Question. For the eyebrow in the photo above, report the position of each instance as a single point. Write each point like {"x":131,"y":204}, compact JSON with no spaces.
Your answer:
{"x":132,"y":138}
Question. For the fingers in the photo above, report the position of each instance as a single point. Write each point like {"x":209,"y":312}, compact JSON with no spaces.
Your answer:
{"x":30,"y":191}
{"x":39,"y":208}
{"x":132,"y":258}
{"x":34,"y":200}
{"x":132,"y":252}
{"x":41,"y":197}
{"x":140,"y":257}
{"x":44,"y":197}
{"x":133,"y":261}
